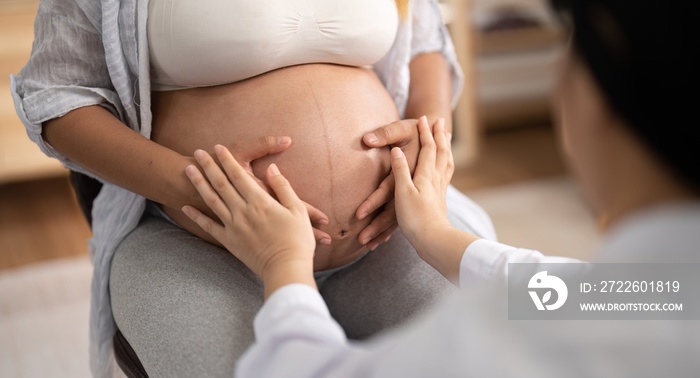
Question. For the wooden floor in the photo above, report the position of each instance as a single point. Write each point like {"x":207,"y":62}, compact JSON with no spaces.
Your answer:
{"x":40,"y":220}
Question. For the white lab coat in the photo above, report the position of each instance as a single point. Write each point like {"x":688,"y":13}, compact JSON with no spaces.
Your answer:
{"x":468,"y":334}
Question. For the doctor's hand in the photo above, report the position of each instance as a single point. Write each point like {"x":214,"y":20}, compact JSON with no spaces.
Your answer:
{"x":246,"y":152}
{"x":421,"y":207}
{"x":420,"y":202}
{"x":402,"y":134}
{"x":272,"y":237}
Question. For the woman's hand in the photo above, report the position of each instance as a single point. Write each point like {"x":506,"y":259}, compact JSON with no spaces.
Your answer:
{"x":274,"y":239}
{"x":402,"y":134}
{"x":421,"y":207}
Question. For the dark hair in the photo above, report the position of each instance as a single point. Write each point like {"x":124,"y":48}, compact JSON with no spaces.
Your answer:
{"x":644,"y":56}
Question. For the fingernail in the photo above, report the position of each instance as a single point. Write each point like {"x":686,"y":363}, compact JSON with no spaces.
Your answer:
{"x":199,"y":154}
{"x":387,"y":238}
{"x":424,"y":119}
{"x":325,"y":241}
{"x":284,"y":140}
{"x":371,"y":138}
{"x":396,"y":153}
{"x":373,"y":246}
{"x":219,"y":151}
{"x":274,"y":170}
{"x":366,"y":240}
{"x":449,"y":137}
{"x":190,"y":170}
{"x":362,"y":215}
{"x":323,"y":221}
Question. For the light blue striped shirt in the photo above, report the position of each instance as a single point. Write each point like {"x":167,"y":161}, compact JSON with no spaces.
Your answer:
{"x":89,"y":52}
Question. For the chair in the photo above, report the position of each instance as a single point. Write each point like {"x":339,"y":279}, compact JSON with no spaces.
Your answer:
{"x":86,"y":190}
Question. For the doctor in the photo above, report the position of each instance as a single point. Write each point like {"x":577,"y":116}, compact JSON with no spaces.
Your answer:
{"x":632,"y":139}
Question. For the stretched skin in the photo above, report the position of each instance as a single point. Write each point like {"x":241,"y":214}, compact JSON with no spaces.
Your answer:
{"x":324,"y":108}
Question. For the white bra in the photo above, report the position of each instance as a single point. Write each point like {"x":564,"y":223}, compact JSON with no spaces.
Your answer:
{"x":212,"y":42}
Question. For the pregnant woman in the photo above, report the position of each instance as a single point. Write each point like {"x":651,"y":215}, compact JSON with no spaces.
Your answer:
{"x":189,"y":75}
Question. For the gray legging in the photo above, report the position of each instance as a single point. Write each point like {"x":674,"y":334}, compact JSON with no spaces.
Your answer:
{"x":187,"y":307}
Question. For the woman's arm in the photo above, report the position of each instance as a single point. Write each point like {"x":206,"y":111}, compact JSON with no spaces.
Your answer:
{"x":96,"y":140}
{"x":430,"y":90}
{"x":68,"y":104}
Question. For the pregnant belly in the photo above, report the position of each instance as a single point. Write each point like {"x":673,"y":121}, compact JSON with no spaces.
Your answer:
{"x":325,"y":109}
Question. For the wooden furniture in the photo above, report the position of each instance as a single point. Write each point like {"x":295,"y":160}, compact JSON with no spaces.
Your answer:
{"x":466,"y":132}
{"x":509,"y":72}
{"x":20,"y":158}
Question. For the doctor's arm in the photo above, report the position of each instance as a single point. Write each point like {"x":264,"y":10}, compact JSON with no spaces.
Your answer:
{"x":295,"y":333}
{"x":422,"y":216}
